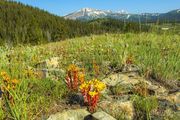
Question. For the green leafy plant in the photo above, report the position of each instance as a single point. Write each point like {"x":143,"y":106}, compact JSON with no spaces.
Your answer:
{"x":144,"y":106}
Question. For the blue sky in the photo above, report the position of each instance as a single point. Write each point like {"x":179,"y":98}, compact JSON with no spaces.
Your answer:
{"x":63,"y":7}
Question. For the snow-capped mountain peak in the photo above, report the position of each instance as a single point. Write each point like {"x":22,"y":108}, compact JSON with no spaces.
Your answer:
{"x":90,"y":13}
{"x":93,"y":12}
{"x":87,"y":9}
{"x":122,"y":12}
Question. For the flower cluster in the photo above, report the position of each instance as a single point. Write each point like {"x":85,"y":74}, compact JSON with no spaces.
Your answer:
{"x":32,"y":73}
{"x":7,"y":85}
{"x":91,"y":91}
{"x":74,"y":76}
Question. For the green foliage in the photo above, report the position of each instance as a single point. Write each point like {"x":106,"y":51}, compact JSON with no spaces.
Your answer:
{"x":147,"y":50}
{"x":115,"y":26}
{"x":144,"y":105}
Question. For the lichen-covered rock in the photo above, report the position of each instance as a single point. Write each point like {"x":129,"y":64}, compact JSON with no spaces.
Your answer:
{"x":124,"y":83}
{"x":173,"y":99}
{"x":171,"y":115}
{"x":115,"y":79}
{"x":157,"y":89}
{"x":49,"y":68}
{"x":49,"y":63}
{"x":78,"y":114}
{"x":101,"y":115}
{"x":118,"y":109}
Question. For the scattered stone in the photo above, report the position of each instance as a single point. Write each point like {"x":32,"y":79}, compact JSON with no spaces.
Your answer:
{"x":42,"y":74}
{"x":125,"y":82}
{"x":120,"y":89}
{"x":173,"y":99}
{"x":49,"y":63}
{"x":49,"y":68}
{"x":118,"y":109}
{"x":171,"y":115}
{"x":102,"y":116}
{"x":78,"y":114}
{"x":167,"y":114}
{"x":120,"y":78}
{"x":157,"y":89}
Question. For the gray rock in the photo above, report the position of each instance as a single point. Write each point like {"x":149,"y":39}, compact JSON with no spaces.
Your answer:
{"x":49,"y":68}
{"x":173,"y":99}
{"x":125,"y":82}
{"x":120,"y":78}
{"x":78,"y":114}
{"x":49,"y":63}
{"x":157,"y":89}
{"x":102,"y":116}
{"x":42,"y":73}
{"x":118,"y":109}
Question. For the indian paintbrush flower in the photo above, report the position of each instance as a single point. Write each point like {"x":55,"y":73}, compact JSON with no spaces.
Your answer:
{"x":72,"y":77}
{"x":91,"y":91}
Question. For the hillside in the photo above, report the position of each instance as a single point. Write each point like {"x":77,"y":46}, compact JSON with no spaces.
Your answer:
{"x":23,"y":24}
{"x":38,"y":74}
{"x":117,"y":26}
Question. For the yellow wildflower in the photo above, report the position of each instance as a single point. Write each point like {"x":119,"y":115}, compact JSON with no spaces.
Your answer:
{"x":6,"y":78}
{"x":14,"y":81}
{"x":3,"y":73}
{"x":100,"y":86}
{"x":7,"y":88}
{"x":83,"y":86}
{"x":93,"y":93}
{"x":81,"y":77}
{"x":73,"y":68}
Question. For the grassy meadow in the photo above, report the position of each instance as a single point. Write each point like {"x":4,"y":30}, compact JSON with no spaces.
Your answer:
{"x":157,"y":56}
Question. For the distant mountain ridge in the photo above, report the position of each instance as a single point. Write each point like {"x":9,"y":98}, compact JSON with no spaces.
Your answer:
{"x":87,"y":14}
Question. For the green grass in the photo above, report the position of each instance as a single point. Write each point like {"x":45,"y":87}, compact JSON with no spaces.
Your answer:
{"x":157,"y":54}
{"x":144,"y":106}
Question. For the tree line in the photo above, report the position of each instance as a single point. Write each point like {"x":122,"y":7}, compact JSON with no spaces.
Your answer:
{"x":24,"y":24}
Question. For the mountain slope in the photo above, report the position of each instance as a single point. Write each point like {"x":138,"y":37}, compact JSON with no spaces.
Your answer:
{"x":23,"y":24}
{"x":91,"y":14}
{"x":173,"y":15}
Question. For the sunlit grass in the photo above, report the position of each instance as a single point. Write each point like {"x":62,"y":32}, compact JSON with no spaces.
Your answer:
{"x":157,"y":55}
